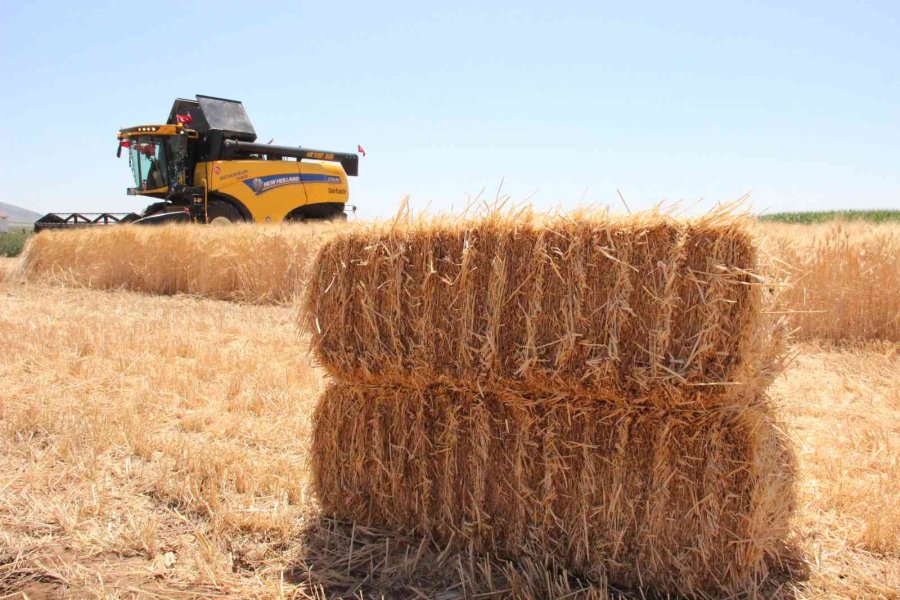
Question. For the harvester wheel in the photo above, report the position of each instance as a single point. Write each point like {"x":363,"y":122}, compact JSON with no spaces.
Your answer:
{"x":222,"y":213}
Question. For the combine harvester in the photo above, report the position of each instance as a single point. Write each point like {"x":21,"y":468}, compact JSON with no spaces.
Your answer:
{"x":204,"y":166}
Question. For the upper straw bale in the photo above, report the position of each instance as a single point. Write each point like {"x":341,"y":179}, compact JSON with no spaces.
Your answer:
{"x":682,"y":501}
{"x":585,"y":303}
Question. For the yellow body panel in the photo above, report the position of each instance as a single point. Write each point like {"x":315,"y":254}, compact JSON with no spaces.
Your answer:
{"x":268,"y":189}
{"x":272,"y":189}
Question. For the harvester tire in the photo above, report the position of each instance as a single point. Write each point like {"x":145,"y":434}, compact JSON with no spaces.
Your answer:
{"x":222,"y":213}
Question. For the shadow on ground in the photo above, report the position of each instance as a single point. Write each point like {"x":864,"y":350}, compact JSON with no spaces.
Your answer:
{"x":343,"y":560}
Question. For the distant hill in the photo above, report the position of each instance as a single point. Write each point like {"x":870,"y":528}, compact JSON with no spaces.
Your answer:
{"x":17,"y":214}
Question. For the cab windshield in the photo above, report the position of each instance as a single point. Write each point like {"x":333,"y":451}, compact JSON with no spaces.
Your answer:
{"x":147,"y":157}
{"x":154,"y":160}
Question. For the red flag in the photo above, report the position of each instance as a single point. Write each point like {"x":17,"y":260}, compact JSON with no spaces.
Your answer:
{"x":360,"y":150}
{"x":184,"y":119}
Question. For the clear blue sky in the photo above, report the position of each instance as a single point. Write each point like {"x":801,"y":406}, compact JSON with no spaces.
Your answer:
{"x":797,"y":103}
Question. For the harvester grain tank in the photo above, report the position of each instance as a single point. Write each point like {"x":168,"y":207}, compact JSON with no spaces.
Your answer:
{"x":204,"y":165}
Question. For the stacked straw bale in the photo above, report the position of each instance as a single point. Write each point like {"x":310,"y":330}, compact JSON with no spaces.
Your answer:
{"x":589,"y":305}
{"x":587,"y":389}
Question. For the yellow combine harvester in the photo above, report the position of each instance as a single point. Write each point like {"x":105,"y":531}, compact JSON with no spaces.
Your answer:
{"x":204,"y":166}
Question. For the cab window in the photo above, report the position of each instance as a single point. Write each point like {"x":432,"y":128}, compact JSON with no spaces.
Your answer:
{"x":148,"y":163}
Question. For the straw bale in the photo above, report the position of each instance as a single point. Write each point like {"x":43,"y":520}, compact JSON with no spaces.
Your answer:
{"x":642,"y":497}
{"x":582,"y":304}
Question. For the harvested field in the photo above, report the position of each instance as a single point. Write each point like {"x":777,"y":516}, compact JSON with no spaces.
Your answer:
{"x":588,"y":304}
{"x":125,"y":477}
{"x":681,"y":502}
{"x":247,"y":263}
{"x":147,"y":443}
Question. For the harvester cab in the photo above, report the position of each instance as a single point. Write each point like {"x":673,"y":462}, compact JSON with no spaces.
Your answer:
{"x":158,"y":156}
{"x":204,"y":165}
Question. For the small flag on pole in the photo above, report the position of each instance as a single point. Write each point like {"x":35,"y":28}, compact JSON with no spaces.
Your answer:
{"x":360,"y":150}
{"x":184,"y":119}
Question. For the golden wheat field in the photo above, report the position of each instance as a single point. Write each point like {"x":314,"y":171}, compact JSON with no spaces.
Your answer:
{"x":844,"y":279}
{"x":158,"y":445}
{"x":261,"y":265}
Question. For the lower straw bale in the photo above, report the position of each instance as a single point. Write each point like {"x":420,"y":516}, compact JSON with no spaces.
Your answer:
{"x":583,"y":304}
{"x":669,"y":501}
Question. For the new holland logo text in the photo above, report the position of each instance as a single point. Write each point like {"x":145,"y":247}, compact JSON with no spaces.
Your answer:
{"x":260,"y":185}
